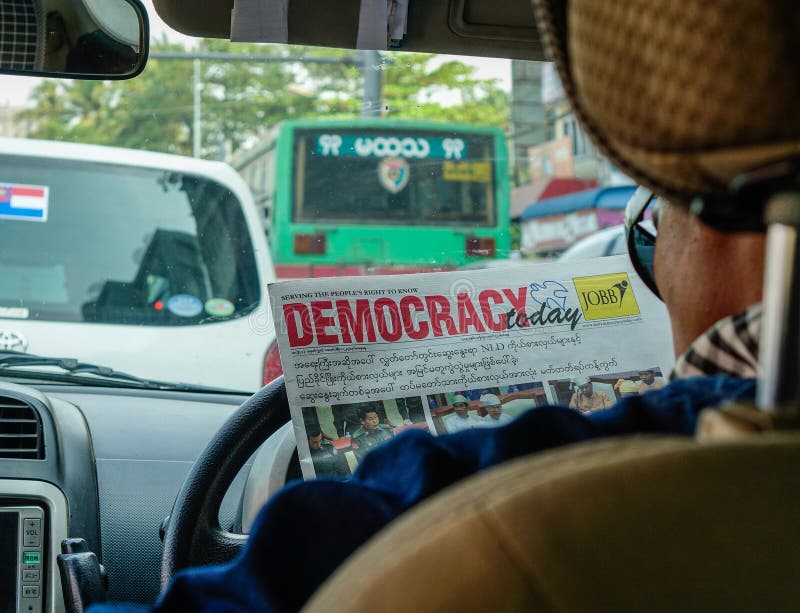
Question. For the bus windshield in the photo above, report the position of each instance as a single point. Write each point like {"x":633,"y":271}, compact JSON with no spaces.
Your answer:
{"x":409,"y":177}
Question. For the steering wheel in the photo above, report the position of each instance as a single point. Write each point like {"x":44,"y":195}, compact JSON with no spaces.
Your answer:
{"x":194,"y":536}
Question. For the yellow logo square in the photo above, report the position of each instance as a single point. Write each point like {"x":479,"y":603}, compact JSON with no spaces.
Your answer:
{"x":479,"y":172}
{"x":606,"y":296}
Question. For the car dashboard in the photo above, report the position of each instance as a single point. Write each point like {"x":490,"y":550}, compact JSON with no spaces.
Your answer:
{"x":105,"y":465}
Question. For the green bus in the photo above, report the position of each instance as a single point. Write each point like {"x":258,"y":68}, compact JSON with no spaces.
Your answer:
{"x":378,"y":196}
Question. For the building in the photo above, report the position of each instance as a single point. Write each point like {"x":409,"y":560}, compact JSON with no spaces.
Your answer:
{"x":587,"y":162}
{"x":558,"y":168}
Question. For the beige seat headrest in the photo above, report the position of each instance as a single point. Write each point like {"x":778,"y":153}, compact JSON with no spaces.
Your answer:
{"x":625,"y":525}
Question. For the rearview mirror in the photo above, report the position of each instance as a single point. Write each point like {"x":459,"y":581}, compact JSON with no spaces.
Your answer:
{"x":84,"y":39}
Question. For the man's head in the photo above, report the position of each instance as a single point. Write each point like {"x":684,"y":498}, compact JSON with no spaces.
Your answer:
{"x":584,"y":386}
{"x":314,"y":438}
{"x":460,"y":406}
{"x":703,"y":274}
{"x":369,"y":418}
{"x":493,"y":405}
{"x":647,"y":376}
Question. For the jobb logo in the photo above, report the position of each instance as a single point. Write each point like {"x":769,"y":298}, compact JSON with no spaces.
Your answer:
{"x":606,"y":296}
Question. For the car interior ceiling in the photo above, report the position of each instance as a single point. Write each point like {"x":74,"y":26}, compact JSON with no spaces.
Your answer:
{"x":617,"y":524}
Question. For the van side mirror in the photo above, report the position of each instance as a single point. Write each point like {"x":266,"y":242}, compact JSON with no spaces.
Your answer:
{"x":83,"y":39}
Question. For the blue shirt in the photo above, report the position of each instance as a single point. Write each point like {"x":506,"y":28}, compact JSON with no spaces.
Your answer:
{"x":309,"y":528}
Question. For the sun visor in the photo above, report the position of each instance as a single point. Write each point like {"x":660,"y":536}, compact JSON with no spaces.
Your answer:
{"x":257,"y":21}
{"x":381,"y":23}
{"x":489,"y":28}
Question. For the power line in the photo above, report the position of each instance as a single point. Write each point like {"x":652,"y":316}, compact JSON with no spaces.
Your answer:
{"x":219,"y":56}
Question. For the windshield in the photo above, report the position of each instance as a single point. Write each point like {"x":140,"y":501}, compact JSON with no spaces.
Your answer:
{"x":118,"y":244}
{"x":339,"y":162}
{"x":393,"y":177}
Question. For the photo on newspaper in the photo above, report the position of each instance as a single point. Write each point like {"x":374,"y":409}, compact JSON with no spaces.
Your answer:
{"x":484,"y":407}
{"x":587,"y":394}
{"x":339,"y":435}
{"x":368,"y":358}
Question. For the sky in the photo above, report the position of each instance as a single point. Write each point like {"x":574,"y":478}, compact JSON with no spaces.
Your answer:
{"x":14,"y":91}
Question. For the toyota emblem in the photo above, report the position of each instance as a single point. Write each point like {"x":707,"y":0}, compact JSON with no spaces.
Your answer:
{"x":12,"y":341}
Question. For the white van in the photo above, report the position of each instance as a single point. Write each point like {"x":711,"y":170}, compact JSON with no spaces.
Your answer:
{"x":156,"y":265}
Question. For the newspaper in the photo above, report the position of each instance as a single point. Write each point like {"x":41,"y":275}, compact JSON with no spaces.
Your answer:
{"x":366,"y":358}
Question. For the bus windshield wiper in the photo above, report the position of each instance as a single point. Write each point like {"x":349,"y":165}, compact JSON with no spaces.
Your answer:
{"x":14,"y":361}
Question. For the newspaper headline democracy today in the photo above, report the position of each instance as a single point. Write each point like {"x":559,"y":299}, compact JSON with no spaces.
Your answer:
{"x":388,"y":319}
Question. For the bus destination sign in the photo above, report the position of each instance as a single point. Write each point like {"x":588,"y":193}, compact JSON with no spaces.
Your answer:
{"x":336,"y":145}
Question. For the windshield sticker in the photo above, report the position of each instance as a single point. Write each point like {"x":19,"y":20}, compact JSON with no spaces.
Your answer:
{"x":477,"y":172}
{"x":23,"y":202}
{"x":394,"y":173}
{"x":184,"y":305}
{"x":336,"y":145}
{"x":12,"y":341}
{"x":14,"y":312}
{"x":219,"y":307}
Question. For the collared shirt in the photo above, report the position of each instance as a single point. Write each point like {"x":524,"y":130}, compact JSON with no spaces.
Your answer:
{"x":454,"y":423}
{"x":369,"y":439}
{"x":491,"y":422}
{"x":729,"y":347}
{"x":582,"y":402}
{"x":643,"y":387}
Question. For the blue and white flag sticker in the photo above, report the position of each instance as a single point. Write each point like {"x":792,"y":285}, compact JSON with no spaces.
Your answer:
{"x":24,"y":202}
{"x":184,"y":305}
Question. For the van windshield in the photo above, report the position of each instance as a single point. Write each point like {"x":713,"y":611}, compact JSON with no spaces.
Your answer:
{"x":117,"y":244}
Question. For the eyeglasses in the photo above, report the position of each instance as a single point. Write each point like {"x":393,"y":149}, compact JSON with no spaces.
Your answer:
{"x":640,"y":234}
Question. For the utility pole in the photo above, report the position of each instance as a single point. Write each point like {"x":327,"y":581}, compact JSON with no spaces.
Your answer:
{"x":197,"y":136}
{"x":528,"y":121}
{"x":372,"y":98}
{"x":368,"y":63}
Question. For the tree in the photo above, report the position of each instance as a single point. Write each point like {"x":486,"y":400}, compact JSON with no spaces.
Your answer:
{"x":151,"y":112}
{"x":415,"y":88}
{"x":241,"y":100}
